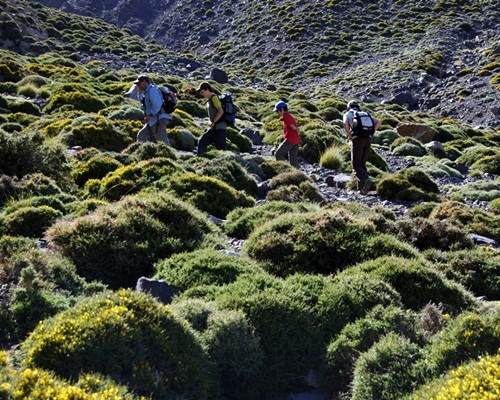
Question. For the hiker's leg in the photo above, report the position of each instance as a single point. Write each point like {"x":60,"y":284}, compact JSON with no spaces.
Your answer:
{"x":357,"y":156}
{"x":282,"y":150}
{"x":204,"y":141}
{"x":220,"y":139}
{"x":144,"y":135}
{"x":160,"y":131}
{"x":293,"y":155}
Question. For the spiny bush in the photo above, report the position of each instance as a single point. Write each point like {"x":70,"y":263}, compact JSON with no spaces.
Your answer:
{"x":37,"y":384}
{"x":389,"y":369}
{"x":120,"y":242}
{"x":209,"y":194}
{"x":305,"y":191}
{"x":95,"y":131}
{"x":466,"y":337}
{"x":426,"y":233}
{"x":149,"y":150}
{"x":31,"y":221}
{"x":357,"y":337}
{"x":229,"y":171}
{"x":77,"y":100}
{"x":95,"y":168}
{"x":321,"y":242}
{"x":241,"y":222}
{"x":156,"y":355}
{"x":476,"y":269}
{"x":418,"y":283}
{"x":232,"y":345}
{"x":477,"y":378}
{"x":201,"y":267}
{"x":479,"y":190}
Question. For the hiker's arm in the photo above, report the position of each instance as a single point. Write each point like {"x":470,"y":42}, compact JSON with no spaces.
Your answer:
{"x":295,"y":128}
{"x":376,"y":123}
{"x":347,"y":130}
{"x":218,"y":116}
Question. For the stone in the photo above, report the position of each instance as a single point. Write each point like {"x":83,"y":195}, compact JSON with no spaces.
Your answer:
{"x":157,"y":288}
{"x":219,"y":75}
{"x":422,"y":132}
{"x":253,"y":135}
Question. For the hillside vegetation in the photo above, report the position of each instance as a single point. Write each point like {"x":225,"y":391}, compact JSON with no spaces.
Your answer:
{"x":282,"y":291}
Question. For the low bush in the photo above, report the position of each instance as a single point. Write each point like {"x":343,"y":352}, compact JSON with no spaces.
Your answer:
{"x":201,"y":267}
{"x":319,"y":242}
{"x":156,"y":355}
{"x":418,"y":283}
{"x":332,"y":158}
{"x":209,"y":194}
{"x":304,"y":191}
{"x":273,"y":168}
{"x":95,"y":168}
{"x":426,"y":233}
{"x":120,"y":242}
{"x":241,"y":222}
{"x":31,"y":221}
{"x":410,"y":184}
{"x":389,"y":369}
{"x":467,"y":337}
{"x":356,"y":338}
{"x":476,"y":269}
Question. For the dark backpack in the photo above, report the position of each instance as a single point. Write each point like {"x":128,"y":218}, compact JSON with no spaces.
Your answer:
{"x":169,"y":99}
{"x":363,"y":125}
{"x":229,"y":108}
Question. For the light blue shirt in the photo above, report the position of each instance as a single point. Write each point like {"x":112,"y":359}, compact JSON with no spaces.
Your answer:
{"x":153,"y":101}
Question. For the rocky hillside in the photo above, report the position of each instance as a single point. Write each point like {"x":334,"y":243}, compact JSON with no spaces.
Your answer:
{"x":439,"y":55}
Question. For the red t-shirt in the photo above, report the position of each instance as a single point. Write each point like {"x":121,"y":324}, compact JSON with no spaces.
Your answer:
{"x":290,"y":135}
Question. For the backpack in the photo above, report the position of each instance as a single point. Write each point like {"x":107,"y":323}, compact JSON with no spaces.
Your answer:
{"x":229,"y":108}
{"x":169,"y":99}
{"x":363,"y":125}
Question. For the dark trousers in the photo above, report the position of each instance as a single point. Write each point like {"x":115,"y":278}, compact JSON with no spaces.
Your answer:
{"x":215,"y":136}
{"x":359,"y":155}
{"x":291,"y":149}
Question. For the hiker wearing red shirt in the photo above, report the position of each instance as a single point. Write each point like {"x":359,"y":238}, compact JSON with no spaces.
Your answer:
{"x":291,"y":133}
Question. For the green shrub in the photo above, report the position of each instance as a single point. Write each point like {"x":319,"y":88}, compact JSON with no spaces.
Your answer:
{"x":273,"y":168}
{"x":332,"y":158}
{"x":356,"y":338}
{"x":321,"y":242}
{"x":418,"y":283}
{"x":241,"y":222}
{"x":232,"y":345}
{"x":36,"y":201}
{"x":156,"y":355}
{"x":410,"y":149}
{"x":305,"y":191}
{"x":425,"y":233}
{"x":241,"y":142}
{"x":31,"y":221}
{"x":120,"y":242}
{"x":476,"y":269}
{"x":410,"y":184}
{"x":201,"y":267}
{"x":230,"y":172}
{"x":467,"y":337}
{"x":78,"y":100}
{"x":315,"y":139}
{"x":388,"y":370}
{"x":209,"y":194}
{"x":483,"y":190}
{"x":95,"y":168}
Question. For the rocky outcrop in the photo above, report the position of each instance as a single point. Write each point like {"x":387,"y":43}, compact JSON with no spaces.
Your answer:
{"x":422,"y":132}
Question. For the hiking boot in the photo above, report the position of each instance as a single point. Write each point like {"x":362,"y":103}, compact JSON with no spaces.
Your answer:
{"x":366,"y":187}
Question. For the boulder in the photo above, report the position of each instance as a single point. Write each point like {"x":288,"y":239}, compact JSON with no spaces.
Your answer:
{"x":422,"y":132}
{"x":218,"y":75}
{"x":157,"y":288}
{"x":253,"y":135}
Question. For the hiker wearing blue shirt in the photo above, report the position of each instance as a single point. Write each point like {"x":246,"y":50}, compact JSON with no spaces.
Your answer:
{"x":156,"y":119}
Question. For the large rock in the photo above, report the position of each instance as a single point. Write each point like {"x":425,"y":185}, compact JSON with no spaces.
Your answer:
{"x":421,"y":132}
{"x":159,"y":289}
{"x":218,"y":75}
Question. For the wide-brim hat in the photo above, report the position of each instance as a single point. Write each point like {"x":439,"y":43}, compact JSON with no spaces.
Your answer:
{"x":141,"y":78}
{"x":203,"y":86}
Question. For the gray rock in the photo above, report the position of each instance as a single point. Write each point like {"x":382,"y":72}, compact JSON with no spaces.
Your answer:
{"x":218,"y":75}
{"x":157,"y":288}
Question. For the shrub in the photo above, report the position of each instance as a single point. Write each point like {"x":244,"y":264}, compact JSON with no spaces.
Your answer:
{"x":387,"y":370}
{"x":95,"y":168}
{"x":418,"y":283}
{"x":467,"y":337}
{"x":305,"y":191}
{"x":232,"y":345}
{"x":242,"y":221}
{"x":424,"y":233}
{"x":31,"y":221}
{"x":356,"y":338}
{"x":410,"y":184}
{"x":477,"y":378}
{"x":156,"y":355}
{"x":201,"y":267}
{"x":332,"y":158}
{"x":273,"y":168}
{"x":120,"y":242}
{"x":209,"y":194}
{"x":78,"y":100}
{"x":321,"y":242}
{"x":476,"y":269}
{"x":230,"y":172}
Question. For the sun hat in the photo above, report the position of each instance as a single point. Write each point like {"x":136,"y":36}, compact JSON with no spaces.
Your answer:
{"x":141,"y":78}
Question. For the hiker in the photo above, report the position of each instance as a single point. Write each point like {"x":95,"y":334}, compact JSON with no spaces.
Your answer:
{"x":291,"y":134}
{"x":216,"y":133}
{"x":156,"y":119}
{"x":361,"y":144}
